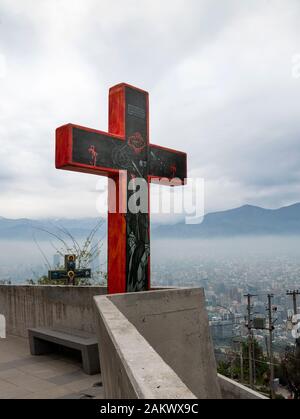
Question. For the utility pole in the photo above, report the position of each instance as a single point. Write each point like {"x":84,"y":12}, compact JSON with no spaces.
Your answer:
{"x":294,"y":294}
{"x":267,"y":347}
{"x":241,"y":361}
{"x":241,"y":356}
{"x":254,"y":363}
{"x":249,"y":327}
{"x":271,"y":357}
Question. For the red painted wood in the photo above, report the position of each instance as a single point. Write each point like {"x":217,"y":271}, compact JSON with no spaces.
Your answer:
{"x":116,"y":124}
{"x":116,"y":240}
{"x":63,"y":151}
{"x":116,"y":221}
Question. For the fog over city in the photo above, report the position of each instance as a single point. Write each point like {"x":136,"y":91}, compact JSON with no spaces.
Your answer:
{"x":176,"y":262}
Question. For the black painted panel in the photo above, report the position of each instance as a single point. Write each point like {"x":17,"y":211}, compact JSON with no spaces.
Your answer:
{"x":94,"y":149}
{"x":166,"y":163}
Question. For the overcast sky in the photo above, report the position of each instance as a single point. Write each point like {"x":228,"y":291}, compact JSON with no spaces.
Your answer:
{"x":220,"y":78}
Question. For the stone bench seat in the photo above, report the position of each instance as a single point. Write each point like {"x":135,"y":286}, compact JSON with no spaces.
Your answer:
{"x":42,"y":341}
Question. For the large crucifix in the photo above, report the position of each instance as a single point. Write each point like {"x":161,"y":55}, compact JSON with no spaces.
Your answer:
{"x":124,"y":150}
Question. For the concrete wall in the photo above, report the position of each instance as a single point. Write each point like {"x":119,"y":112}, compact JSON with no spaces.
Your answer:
{"x":152,"y":345}
{"x":232,"y":390}
{"x":48,"y":306}
{"x":175,"y":324}
{"x":130,"y":367}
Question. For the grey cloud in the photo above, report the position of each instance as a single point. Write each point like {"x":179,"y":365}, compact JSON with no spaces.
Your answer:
{"x":18,"y":36}
{"x":219,"y":77}
{"x":147,"y":47}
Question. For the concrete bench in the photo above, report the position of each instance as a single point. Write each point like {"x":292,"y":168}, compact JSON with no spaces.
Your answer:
{"x":41,"y":342}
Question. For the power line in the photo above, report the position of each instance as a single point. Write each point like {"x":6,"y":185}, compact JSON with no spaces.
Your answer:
{"x":294,"y":294}
{"x":251,"y":347}
{"x":250,"y":338}
{"x":271,"y":355}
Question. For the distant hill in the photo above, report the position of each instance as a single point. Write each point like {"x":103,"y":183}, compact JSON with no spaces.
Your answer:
{"x":246,"y":220}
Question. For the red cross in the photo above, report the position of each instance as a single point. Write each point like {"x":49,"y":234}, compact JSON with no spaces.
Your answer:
{"x":125,"y":149}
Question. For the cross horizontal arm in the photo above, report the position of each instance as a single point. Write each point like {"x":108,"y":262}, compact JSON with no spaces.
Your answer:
{"x":85,"y":150}
{"x":78,"y":273}
{"x":167,"y":163}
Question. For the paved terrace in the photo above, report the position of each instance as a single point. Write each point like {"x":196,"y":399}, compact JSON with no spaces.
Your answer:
{"x":23,"y":376}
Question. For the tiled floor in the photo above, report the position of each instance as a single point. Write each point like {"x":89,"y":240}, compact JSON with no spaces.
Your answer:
{"x":42,"y":377}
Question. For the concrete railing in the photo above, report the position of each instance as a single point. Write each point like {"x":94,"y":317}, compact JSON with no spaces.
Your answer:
{"x":27,"y":306}
{"x":232,"y":390}
{"x":142,"y":334}
{"x":157,"y":345}
{"x":130,"y":367}
{"x":48,"y":306}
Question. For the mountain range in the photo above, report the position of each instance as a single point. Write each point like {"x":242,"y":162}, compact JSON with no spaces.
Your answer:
{"x":245,"y":220}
